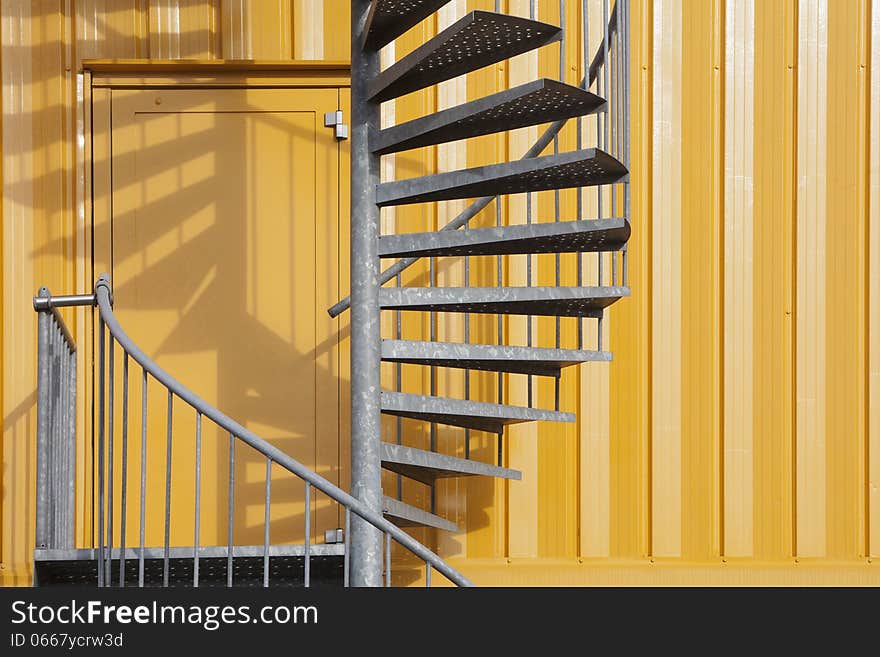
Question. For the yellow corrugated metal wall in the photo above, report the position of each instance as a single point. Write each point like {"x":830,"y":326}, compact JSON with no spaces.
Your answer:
{"x":736,"y":436}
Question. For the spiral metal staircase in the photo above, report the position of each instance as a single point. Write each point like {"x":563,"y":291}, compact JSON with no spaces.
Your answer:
{"x":477,"y":40}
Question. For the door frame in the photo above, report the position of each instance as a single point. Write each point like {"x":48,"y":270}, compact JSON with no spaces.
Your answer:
{"x":97,"y":80}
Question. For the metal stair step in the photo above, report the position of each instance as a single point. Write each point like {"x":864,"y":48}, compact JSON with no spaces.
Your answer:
{"x":552,"y":301}
{"x":79,"y":566}
{"x":533,"y":103}
{"x":556,"y":237}
{"x":427,"y":467}
{"x":477,"y":40}
{"x":489,"y":357}
{"x":389,"y":19}
{"x":481,"y":416}
{"x":406,"y":515}
{"x":582,"y":168}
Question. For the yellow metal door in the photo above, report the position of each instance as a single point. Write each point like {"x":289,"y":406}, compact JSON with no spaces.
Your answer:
{"x":224,"y":258}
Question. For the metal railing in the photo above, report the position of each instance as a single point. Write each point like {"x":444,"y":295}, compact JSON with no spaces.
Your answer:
{"x":56,"y":437}
{"x":56,"y":424}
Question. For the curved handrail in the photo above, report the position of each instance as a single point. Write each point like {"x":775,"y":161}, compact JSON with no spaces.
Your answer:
{"x":103,"y":294}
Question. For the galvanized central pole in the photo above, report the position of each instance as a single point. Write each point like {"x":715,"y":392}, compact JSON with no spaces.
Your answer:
{"x":366,"y":482}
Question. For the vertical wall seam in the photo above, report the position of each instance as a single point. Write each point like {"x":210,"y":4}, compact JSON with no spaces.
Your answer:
{"x":667,"y":272}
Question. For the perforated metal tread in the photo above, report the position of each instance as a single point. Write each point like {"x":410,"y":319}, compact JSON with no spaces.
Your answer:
{"x":389,"y":19}
{"x":481,"y":416}
{"x":427,"y":467}
{"x":540,"y":101}
{"x":488,"y":357}
{"x":406,"y":515}
{"x":552,"y":301}
{"x":79,"y":567}
{"x":582,"y":168}
{"x":556,"y":237}
{"x":477,"y":40}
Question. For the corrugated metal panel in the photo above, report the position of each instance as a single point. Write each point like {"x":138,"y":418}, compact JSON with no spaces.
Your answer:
{"x":874,"y":290}
{"x":740,"y":419}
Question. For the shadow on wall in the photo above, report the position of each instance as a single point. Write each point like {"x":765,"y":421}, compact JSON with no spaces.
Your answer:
{"x":190,"y":287}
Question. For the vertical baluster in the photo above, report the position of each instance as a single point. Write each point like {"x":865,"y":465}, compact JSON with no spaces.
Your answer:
{"x":123,"y":484}
{"x":533,"y":15}
{"x":500,"y":268}
{"x":110,"y":462}
{"x":620,"y":74}
{"x":626,"y":133}
{"x":387,"y":559}
{"x":346,"y":552}
{"x":499,"y":317}
{"x":433,"y":429}
{"x":557,"y":198}
{"x":585,"y":44}
{"x":612,"y":90}
{"x":308,"y":519}
{"x":53,"y":435}
{"x":266,"y":520}
{"x":605,"y":141}
{"x":427,"y":575}
{"x":71,"y":448}
{"x":602,"y":121}
{"x":101,"y":383}
{"x":615,"y":108}
{"x":165,"y":558}
{"x":60,"y":470}
{"x":59,"y":444}
{"x":143,"y":476}
{"x":63,"y":466}
{"x":399,"y":387}
{"x":606,"y":136}
{"x":198,"y":499}
{"x":231,"y":503}
{"x":467,"y":339}
{"x":623,"y":108}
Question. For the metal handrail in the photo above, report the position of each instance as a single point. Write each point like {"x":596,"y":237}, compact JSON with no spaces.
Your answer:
{"x":272,"y":453}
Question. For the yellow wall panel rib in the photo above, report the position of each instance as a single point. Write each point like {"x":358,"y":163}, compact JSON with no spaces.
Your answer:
{"x":19,"y":282}
{"x":699,"y":254}
{"x":450,"y":328}
{"x":111,"y":29}
{"x":182,"y":29}
{"x":845,"y":283}
{"x":739,"y":279}
{"x":874,"y":290}
{"x":522,"y":440}
{"x":811,"y":277}
{"x":486,"y":498}
{"x":593,"y":412}
{"x":667,"y":281}
{"x":308,"y":26}
{"x":631,"y":343}
{"x":256,"y":30}
{"x":773,"y":230}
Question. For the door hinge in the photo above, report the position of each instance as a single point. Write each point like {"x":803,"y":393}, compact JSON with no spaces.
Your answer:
{"x":334,"y":120}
